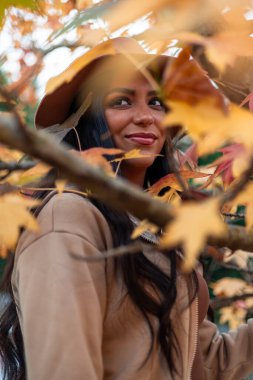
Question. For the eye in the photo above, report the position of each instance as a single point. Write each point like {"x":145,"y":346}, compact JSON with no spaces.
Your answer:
{"x":157,"y":103}
{"x":119,"y":101}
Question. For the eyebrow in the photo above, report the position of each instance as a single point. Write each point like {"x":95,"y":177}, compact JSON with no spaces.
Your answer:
{"x":129,"y":91}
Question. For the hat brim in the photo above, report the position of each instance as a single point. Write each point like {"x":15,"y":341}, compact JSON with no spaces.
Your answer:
{"x":54,"y":107}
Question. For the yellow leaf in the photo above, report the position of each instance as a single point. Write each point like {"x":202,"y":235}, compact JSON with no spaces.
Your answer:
{"x":13,"y":215}
{"x":60,"y":185}
{"x":228,"y":287}
{"x":30,"y":175}
{"x":133,"y":153}
{"x":234,"y":316}
{"x":8,"y":155}
{"x":193,"y":224}
{"x":171,"y":180}
{"x":143,"y":226}
{"x":209,"y":126}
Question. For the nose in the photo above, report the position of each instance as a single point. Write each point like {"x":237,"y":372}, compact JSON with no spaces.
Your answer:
{"x":143,"y":115}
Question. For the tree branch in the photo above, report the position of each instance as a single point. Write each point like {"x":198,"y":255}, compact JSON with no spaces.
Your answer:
{"x":218,"y":303}
{"x":117,"y":193}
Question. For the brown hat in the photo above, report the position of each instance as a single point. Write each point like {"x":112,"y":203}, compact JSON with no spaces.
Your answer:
{"x":54,"y":108}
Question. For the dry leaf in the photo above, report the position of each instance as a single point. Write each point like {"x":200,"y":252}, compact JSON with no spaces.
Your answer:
{"x":133,"y":153}
{"x":193,"y":224}
{"x":170,"y":180}
{"x":234,"y":316}
{"x":31,"y":175}
{"x":209,"y":127}
{"x":228,"y":287}
{"x":95,"y":156}
{"x":13,"y":215}
{"x":60,"y":185}
{"x":8,"y":155}
{"x":185,"y":80}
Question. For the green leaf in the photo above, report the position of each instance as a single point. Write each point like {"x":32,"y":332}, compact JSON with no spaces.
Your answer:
{"x":4,"y":4}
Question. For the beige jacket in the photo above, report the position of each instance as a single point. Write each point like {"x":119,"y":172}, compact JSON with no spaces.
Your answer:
{"x":75,"y":322}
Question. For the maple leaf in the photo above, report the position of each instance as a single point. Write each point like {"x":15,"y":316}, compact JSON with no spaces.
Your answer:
{"x":209,"y":127}
{"x":143,"y":226}
{"x":13,"y":215}
{"x":189,"y":157}
{"x":8,"y":155}
{"x":234,"y":316}
{"x":193,"y":224}
{"x":172,"y":181}
{"x":230,"y":165}
{"x":228,"y":287}
{"x":133,"y":153}
{"x":95,"y":156}
{"x":31,"y":175}
{"x":185,"y":80}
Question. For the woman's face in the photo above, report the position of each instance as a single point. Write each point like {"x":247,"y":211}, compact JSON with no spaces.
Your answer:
{"x":134,"y":113}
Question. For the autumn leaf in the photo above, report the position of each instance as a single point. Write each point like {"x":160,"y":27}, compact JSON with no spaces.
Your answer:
{"x":209,"y":127}
{"x":5,"y":4}
{"x":185,"y":80}
{"x":171,"y":180}
{"x":60,"y":185}
{"x":13,"y":215}
{"x":228,"y":287}
{"x":239,"y":258}
{"x":133,"y":153}
{"x":95,"y":156}
{"x":8,"y":155}
{"x":231,"y":164}
{"x":234,"y":316}
{"x":189,"y":157}
{"x":193,"y":224}
{"x":143,"y":226}
{"x":31,"y":175}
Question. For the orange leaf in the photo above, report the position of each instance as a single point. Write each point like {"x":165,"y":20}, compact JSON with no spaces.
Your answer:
{"x":13,"y":215}
{"x":185,"y":80}
{"x":171,"y":180}
{"x":95,"y":156}
{"x":193,"y":224}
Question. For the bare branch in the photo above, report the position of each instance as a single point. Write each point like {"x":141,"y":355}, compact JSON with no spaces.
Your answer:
{"x":218,"y":303}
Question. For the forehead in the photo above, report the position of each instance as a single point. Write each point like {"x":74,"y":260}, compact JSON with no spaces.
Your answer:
{"x":131,"y":80}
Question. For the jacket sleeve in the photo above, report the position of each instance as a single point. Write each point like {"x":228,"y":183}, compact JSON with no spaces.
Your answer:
{"x":227,"y":356}
{"x":61,"y":301}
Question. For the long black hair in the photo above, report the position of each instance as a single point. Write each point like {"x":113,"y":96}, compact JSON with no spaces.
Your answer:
{"x":138,"y":272}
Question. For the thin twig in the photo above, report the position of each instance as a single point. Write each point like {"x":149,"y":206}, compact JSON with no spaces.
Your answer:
{"x":218,"y":303}
{"x":132,"y":248}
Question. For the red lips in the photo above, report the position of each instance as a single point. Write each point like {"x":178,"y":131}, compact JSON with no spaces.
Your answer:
{"x":142,"y":138}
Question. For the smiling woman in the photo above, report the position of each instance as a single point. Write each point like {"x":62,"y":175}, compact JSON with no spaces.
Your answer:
{"x":134,"y":113}
{"x":133,"y":317}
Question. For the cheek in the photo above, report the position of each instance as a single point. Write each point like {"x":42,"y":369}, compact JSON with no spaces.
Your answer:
{"x":116,"y":121}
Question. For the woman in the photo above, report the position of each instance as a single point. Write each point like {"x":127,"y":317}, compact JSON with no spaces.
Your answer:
{"x":134,"y":317}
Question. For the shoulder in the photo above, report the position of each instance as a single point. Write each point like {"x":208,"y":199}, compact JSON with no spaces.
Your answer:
{"x":72,"y":214}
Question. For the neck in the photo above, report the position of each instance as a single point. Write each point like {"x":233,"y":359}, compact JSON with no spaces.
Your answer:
{"x":136,"y":177}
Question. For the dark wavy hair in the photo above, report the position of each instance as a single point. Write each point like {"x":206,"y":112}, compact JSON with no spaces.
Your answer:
{"x":137,"y":270}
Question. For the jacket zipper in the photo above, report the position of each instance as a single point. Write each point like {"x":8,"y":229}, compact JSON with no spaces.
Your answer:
{"x":196,"y":338}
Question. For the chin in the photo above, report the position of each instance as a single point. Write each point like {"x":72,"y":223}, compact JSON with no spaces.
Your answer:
{"x":139,"y":163}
